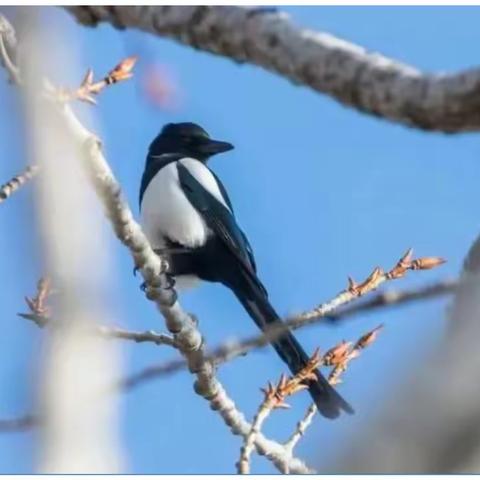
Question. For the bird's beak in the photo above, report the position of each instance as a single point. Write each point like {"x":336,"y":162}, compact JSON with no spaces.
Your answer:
{"x":215,"y":146}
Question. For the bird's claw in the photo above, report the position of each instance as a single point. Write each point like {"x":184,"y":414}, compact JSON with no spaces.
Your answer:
{"x":169,"y":283}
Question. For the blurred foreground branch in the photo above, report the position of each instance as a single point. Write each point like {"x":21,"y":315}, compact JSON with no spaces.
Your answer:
{"x":79,"y":429}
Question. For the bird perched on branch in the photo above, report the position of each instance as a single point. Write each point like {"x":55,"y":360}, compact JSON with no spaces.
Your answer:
{"x":188,"y":218}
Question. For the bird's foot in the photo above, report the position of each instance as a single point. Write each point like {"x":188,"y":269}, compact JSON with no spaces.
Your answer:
{"x":168,"y":284}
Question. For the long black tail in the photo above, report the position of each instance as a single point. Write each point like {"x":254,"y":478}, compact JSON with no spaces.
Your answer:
{"x":328,"y":400}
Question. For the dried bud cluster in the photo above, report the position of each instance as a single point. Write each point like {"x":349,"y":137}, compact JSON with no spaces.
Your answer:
{"x":275,"y":395}
{"x":87,"y":89}
{"x":37,"y":304}
{"x":378,"y":276}
{"x":340,"y":356}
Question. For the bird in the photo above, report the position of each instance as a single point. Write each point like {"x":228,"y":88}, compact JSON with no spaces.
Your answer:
{"x":189,"y":220}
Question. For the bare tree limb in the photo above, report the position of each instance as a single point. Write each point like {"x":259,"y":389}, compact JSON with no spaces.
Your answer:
{"x":149,"y":336}
{"x":366,"y":81}
{"x":17,"y":181}
{"x":40,"y":315}
{"x":328,"y":311}
{"x":274,"y":398}
{"x":337,"y":357}
{"x":301,"y":428}
{"x":18,"y":424}
{"x":232,"y":349}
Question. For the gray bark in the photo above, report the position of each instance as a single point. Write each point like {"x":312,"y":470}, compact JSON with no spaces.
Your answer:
{"x":366,"y":81}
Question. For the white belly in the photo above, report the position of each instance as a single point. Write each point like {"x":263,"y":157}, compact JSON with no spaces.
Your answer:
{"x":167,"y":213}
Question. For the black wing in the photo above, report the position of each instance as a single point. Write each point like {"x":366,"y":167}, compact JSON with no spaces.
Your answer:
{"x":230,"y":206}
{"x":220,"y":220}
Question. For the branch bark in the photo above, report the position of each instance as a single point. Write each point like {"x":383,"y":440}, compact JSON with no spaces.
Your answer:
{"x":366,"y":81}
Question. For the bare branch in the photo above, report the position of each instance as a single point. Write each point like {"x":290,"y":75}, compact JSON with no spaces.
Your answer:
{"x":330,"y":310}
{"x":366,"y":81}
{"x":232,"y":349}
{"x":275,"y":396}
{"x":88,"y":88}
{"x":19,"y":424}
{"x":40,"y":314}
{"x":17,"y":181}
{"x":8,"y":45}
{"x":301,"y":428}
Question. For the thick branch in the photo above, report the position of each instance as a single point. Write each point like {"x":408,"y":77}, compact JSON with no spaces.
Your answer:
{"x":366,"y":81}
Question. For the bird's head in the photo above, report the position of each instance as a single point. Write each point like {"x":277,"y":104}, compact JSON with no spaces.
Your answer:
{"x":187,"y":139}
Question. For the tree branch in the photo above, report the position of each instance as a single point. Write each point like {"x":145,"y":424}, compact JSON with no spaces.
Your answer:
{"x":17,"y":181}
{"x":366,"y":81}
{"x":18,"y":424}
{"x":233,"y":349}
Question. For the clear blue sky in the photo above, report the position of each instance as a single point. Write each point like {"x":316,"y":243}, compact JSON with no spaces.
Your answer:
{"x":322,"y":191}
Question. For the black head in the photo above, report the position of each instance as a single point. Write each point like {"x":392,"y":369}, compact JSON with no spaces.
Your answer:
{"x":187,"y":139}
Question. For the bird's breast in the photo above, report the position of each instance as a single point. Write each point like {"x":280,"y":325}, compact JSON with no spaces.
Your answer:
{"x":167,"y":213}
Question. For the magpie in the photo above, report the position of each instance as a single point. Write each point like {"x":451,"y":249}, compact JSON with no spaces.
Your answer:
{"x":189,"y":219}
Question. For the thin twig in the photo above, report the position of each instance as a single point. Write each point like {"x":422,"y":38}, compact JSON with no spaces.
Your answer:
{"x":274,"y":397}
{"x":40,"y":314}
{"x":88,"y":88}
{"x":301,"y":428}
{"x":339,"y":356}
{"x":12,"y":69}
{"x":19,"y":424}
{"x":149,"y":336}
{"x":232,"y":349}
{"x":352,"y":292}
{"x":17,"y":181}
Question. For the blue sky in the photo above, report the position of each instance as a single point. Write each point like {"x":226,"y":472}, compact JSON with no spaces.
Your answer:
{"x":322,"y":191}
